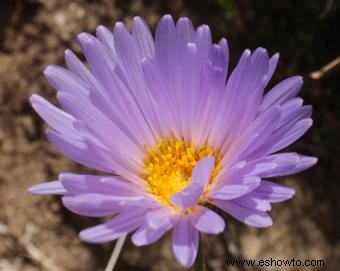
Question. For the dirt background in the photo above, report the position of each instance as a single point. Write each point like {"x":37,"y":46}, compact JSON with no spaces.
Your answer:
{"x":37,"y":233}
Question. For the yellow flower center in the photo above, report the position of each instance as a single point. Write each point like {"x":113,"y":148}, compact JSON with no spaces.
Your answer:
{"x":168,"y":166}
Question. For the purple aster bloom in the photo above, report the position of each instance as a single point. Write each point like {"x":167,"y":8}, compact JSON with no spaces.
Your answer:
{"x":172,"y":133}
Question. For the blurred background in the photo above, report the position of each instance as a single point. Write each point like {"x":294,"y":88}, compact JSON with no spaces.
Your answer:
{"x":37,"y":233}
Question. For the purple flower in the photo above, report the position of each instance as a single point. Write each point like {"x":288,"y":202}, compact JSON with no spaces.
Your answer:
{"x":172,"y":132}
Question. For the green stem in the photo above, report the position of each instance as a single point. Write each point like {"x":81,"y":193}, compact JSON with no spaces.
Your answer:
{"x":115,"y":253}
{"x":200,"y":261}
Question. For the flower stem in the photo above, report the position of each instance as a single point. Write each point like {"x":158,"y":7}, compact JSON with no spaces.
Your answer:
{"x":200,"y":261}
{"x":115,"y":253}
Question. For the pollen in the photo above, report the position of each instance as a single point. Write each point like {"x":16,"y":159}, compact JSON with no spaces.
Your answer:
{"x":168,"y":167}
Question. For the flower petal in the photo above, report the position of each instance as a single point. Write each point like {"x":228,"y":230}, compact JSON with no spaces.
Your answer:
{"x":102,"y":127}
{"x":288,"y":135}
{"x":123,"y":223}
{"x":188,"y":196}
{"x":273,"y":192}
{"x":251,"y":202}
{"x":91,"y":204}
{"x":293,"y":111}
{"x":105,"y":36}
{"x":229,"y":191}
{"x":130,"y":67}
{"x":200,"y":178}
{"x":256,"y":135}
{"x":106,"y":73}
{"x":146,"y":235}
{"x":202,"y":171}
{"x":55,"y":117}
{"x":304,"y":163}
{"x":206,"y":220}
{"x":165,"y":45}
{"x":165,"y":98}
{"x":82,"y":184}
{"x":79,"y":151}
{"x":282,"y":92}
{"x":286,"y":164}
{"x":141,"y":33}
{"x":245,"y":86}
{"x":185,"y":242}
{"x":246,"y":215}
{"x":61,"y":78}
{"x":272,"y":66}
{"x":157,"y":223}
{"x":159,"y":216}
{"x":203,"y":40}
{"x":49,"y":188}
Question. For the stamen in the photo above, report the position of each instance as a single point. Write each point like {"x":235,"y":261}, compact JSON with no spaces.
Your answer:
{"x":168,"y":166}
